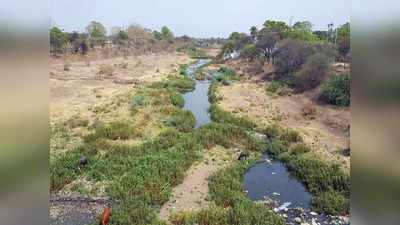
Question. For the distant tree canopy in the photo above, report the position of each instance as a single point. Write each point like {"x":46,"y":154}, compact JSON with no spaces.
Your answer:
{"x":253,"y":32}
{"x":344,"y":40}
{"x":250,"y":51}
{"x":235,"y":36}
{"x":322,"y":35}
{"x":96,"y":30}
{"x":58,"y":39}
{"x":304,"y":25}
{"x":166,"y":33}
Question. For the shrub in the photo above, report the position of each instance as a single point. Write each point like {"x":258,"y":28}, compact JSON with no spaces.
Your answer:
{"x":139,"y":100}
{"x":290,"y":55}
{"x":184,"y":84}
{"x":177,"y":99}
{"x":221,"y":116}
{"x":272,"y":130}
{"x":332,"y":203}
{"x":312,"y":72}
{"x":274,"y":86}
{"x":299,"y":148}
{"x":288,"y":136}
{"x":113,"y":131}
{"x":77,"y":121}
{"x":336,"y":90}
{"x":227,"y":72}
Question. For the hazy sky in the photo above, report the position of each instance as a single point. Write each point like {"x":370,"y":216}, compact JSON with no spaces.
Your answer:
{"x":201,"y":18}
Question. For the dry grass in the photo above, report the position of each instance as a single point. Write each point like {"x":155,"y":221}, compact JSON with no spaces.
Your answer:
{"x":77,"y":92}
{"x":325,"y":133}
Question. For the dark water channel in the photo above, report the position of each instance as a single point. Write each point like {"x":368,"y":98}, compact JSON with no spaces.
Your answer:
{"x":271,"y":179}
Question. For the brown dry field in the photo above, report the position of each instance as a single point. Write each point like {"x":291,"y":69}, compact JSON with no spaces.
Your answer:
{"x":81,"y":89}
{"x":325,"y":132}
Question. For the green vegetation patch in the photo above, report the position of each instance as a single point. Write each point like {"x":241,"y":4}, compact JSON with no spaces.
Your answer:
{"x":336,"y":90}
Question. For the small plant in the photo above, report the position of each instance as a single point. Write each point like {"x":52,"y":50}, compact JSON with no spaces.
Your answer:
{"x":274,"y":86}
{"x":77,"y":121}
{"x":139,"y":100}
{"x":299,"y":148}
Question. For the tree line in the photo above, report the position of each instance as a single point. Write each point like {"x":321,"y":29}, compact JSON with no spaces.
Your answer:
{"x":300,"y":55}
{"x":96,"y":35}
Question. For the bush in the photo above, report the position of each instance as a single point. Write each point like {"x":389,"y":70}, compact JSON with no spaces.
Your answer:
{"x":177,"y":99}
{"x":113,"y":131}
{"x":274,"y":86}
{"x":336,"y":90}
{"x":332,"y":203}
{"x":227,"y":72}
{"x":312,"y":72}
{"x":139,"y":100}
{"x":299,"y":148}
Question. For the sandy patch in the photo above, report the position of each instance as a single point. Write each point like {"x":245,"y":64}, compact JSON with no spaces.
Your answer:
{"x":191,"y":193}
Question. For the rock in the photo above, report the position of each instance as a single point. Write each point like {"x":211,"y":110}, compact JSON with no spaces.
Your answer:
{"x":297,"y":219}
{"x":314,"y":213}
{"x":269,"y":203}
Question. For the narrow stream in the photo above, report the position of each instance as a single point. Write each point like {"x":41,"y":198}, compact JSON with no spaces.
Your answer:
{"x":266,"y":180}
{"x":197,"y":100}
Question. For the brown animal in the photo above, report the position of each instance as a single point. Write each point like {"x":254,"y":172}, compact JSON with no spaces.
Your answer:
{"x":105,"y":217}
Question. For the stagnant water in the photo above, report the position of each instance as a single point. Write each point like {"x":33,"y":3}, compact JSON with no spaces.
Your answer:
{"x":271,"y":179}
{"x":197,"y":100}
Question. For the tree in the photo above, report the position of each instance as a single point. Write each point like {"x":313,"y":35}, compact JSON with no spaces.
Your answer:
{"x":58,"y":39}
{"x":344,"y":40}
{"x":235,"y":36}
{"x":157,"y":35}
{"x":322,"y":35}
{"x":304,"y":25}
{"x":166,"y":33}
{"x":253,"y":32}
{"x":290,"y":55}
{"x":96,"y":30}
{"x":137,"y":32}
{"x":277,"y":26}
{"x":312,"y":72}
{"x":97,"y":33}
{"x":302,"y":35}
{"x":266,"y":41}
{"x":229,"y":47}
{"x":250,"y":51}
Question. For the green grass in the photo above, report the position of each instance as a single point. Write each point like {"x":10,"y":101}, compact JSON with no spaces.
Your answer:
{"x":274,"y":86}
{"x":184,"y":121}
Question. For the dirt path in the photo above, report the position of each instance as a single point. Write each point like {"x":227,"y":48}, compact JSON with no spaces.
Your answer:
{"x":190,"y":195}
